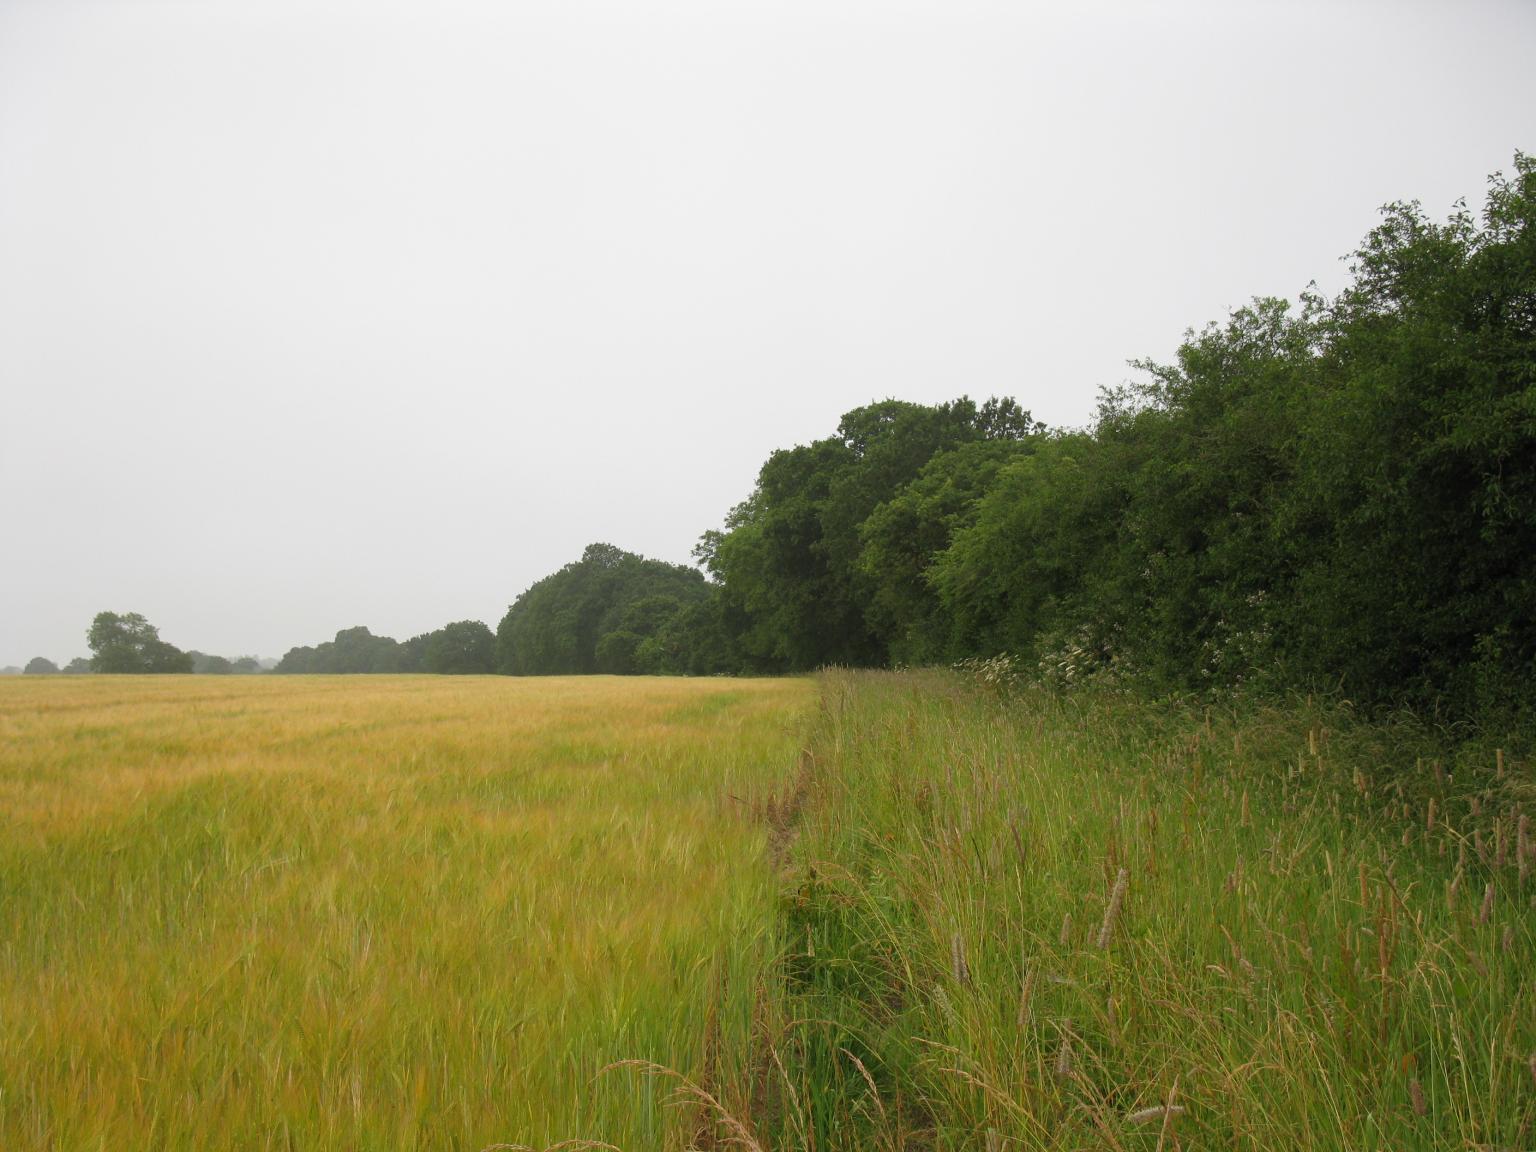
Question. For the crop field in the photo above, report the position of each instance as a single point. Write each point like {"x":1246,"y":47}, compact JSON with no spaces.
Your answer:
{"x":917,"y":912}
{"x":376,"y":912}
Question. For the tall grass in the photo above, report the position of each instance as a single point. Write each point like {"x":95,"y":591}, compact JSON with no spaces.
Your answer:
{"x":1018,"y":919}
{"x":377,"y":913}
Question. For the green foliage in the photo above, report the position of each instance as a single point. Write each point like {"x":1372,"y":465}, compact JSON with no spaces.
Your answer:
{"x":791,"y":561}
{"x":698,"y":641}
{"x":131,"y":644}
{"x":1340,"y":494}
{"x":353,"y":650}
{"x":1029,"y":563}
{"x":1417,"y":510}
{"x":206,"y":665}
{"x":411,"y":656}
{"x":902,"y":537}
{"x":611,"y":611}
{"x":40,"y":666}
{"x":467,"y":647}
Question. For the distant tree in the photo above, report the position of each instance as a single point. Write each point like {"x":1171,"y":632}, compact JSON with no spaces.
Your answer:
{"x":790,"y":561}
{"x":595,"y":615}
{"x":40,"y":666}
{"x":359,"y":650}
{"x":79,"y":666}
{"x":245,"y":665}
{"x":206,"y":665}
{"x":297,"y":661}
{"x":699,"y":641}
{"x":412,"y":656}
{"x":353,"y":650}
{"x":131,"y":644}
{"x":615,"y":652}
{"x":467,"y":647}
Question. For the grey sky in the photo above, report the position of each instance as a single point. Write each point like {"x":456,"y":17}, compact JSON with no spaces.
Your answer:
{"x":317,"y":314}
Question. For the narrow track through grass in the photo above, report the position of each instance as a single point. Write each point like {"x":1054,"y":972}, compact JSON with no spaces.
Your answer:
{"x":1038,"y":921}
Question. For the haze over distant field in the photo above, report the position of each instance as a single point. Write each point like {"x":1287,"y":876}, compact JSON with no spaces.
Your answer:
{"x":320,"y":314}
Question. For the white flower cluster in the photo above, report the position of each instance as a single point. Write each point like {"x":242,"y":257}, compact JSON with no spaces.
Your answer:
{"x":1230,"y":646}
{"x":999,"y":674}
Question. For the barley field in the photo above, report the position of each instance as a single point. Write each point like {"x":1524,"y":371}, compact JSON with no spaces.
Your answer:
{"x":377,"y":912}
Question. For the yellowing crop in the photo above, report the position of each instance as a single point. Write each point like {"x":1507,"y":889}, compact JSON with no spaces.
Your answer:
{"x":375,"y":912}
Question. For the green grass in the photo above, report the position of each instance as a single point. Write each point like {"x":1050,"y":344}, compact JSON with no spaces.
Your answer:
{"x":1293,"y":962}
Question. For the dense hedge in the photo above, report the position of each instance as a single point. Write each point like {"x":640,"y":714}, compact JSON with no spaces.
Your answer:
{"x":1338,"y":493}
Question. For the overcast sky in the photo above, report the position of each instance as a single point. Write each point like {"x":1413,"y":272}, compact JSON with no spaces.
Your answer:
{"x":317,"y":314}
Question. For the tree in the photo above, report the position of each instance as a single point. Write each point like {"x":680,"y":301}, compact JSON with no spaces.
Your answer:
{"x":903,"y":538}
{"x":467,"y":647}
{"x":40,"y":666}
{"x":353,"y":650}
{"x":412,"y":657}
{"x":1029,"y":560}
{"x":595,"y":614}
{"x":1415,"y":513}
{"x":131,"y":644}
{"x":79,"y":666}
{"x":790,"y":562}
{"x":297,"y":660}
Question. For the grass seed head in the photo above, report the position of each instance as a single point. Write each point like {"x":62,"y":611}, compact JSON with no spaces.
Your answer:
{"x":1157,"y":1112}
{"x":1416,"y":1097}
{"x":958,"y":967}
{"x":1026,"y":999}
{"x":1112,"y":912}
{"x":1064,"y":1055}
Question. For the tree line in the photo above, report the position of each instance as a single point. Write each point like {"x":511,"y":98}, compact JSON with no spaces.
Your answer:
{"x":609,"y":612}
{"x":127,"y":643}
{"x":464,"y":647}
{"x":1338,"y":493}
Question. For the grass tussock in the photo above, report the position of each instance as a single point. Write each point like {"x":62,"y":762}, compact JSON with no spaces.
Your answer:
{"x":377,"y":913}
{"x":1024,"y":920}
